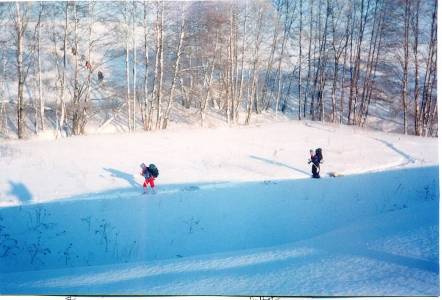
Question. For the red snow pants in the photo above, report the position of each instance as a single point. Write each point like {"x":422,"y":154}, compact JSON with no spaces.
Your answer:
{"x":150,"y":181}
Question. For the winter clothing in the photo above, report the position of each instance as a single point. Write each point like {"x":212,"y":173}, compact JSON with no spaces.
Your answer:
{"x":149,"y":179}
{"x":315,"y":166}
{"x":145,"y":172}
{"x":316,"y":159}
{"x":318,"y":153}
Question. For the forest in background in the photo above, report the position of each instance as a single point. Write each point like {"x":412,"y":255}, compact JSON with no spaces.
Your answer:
{"x":66,"y":64}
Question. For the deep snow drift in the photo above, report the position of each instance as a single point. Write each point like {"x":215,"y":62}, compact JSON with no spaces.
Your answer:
{"x":235,"y":214}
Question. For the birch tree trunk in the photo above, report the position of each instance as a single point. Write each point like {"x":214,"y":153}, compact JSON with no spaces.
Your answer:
{"x":356,"y":68}
{"x":134,"y":66}
{"x":373,"y":69}
{"x":288,"y":21}
{"x":323,"y":64}
{"x":60,"y":124}
{"x":415,"y":28}
{"x":40,"y":88}
{"x":430,"y":76}
{"x":308,"y":88}
{"x":253,"y":95}
{"x":241,"y":87}
{"x":404,"y":93}
{"x":160,"y":75}
{"x":232,"y":67}
{"x":316,"y":42}
{"x":270,"y":60}
{"x":87,"y":97}
{"x":76,"y":117}
{"x":338,"y":49}
{"x":209,"y":84}
{"x":3,"y":100}
{"x":155,"y":89}
{"x":126,"y":19}
{"x":20,"y":26}
{"x":146,"y":69}
{"x":175,"y":69}
{"x":227,"y":84}
{"x":57,"y":82}
{"x":300,"y":59}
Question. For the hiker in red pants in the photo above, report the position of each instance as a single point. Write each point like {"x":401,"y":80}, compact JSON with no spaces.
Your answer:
{"x":150,"y":173}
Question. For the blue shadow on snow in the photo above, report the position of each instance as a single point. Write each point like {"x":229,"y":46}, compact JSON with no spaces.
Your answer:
{"x":123,"y":175}
{"x":185,"y":220}
{"x":20,"y":191}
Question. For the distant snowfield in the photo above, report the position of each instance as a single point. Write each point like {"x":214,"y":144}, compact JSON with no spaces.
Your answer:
{"x":235,"y":214}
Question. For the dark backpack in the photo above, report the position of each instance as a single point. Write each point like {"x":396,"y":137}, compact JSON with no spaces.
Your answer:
{"x":318,"y":153}
{"x":153,"y":170}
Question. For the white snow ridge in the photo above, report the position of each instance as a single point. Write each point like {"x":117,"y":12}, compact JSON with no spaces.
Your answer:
{"x":236,"y":213}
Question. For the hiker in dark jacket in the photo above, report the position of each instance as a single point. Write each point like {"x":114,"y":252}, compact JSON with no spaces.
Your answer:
{"x":149,"y":177}
{"x":315,"y":159}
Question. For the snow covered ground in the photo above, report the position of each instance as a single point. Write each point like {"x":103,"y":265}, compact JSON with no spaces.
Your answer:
{"x":235,"y":214}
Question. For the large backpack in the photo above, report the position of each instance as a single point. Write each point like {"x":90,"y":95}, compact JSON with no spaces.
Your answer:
{"x":153,"y":170}
{"x":318,"y":152}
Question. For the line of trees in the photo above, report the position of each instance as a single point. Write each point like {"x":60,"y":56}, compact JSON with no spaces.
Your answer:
{"x":133,"y":63}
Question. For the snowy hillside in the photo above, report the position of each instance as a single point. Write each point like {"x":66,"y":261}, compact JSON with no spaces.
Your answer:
{"x":235,"y":213}
{"x":77,"y":66}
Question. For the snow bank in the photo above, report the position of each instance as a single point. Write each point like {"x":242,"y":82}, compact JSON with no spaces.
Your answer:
{"x":236,"y":213}
{"x":351,"y":235}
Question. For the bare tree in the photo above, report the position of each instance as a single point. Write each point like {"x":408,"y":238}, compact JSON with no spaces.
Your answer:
{"x":226,"y":58}
{"x":404,"y":63}
{"x":428,"y":103}
{"x":300,"y":59}
{"x":308,"y":86}
{"x":288,"y":22}
{"x":126,"y":19}
{"x":40,"y":86}
{"x":233,"y":63}
{"x":339,"y":44}
{"x":372,"y":61}
{"x":355,"y":71}
{"x":134,"y":65}
{"x":146,"y":68}
{"x":210,"y":68}
{"x":3,"y":99}
{"x":76,"y":109}
{"x":270,"y":60}
{"x":253,"y":85}
{"x":60,"y":121}
{"x":89,"y":66}
{"x":415,"y":29}
{"x":159,"y":61}
{"x":175,"y":68}
{"x":242,"y":72}
{"x":20,"y":23}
